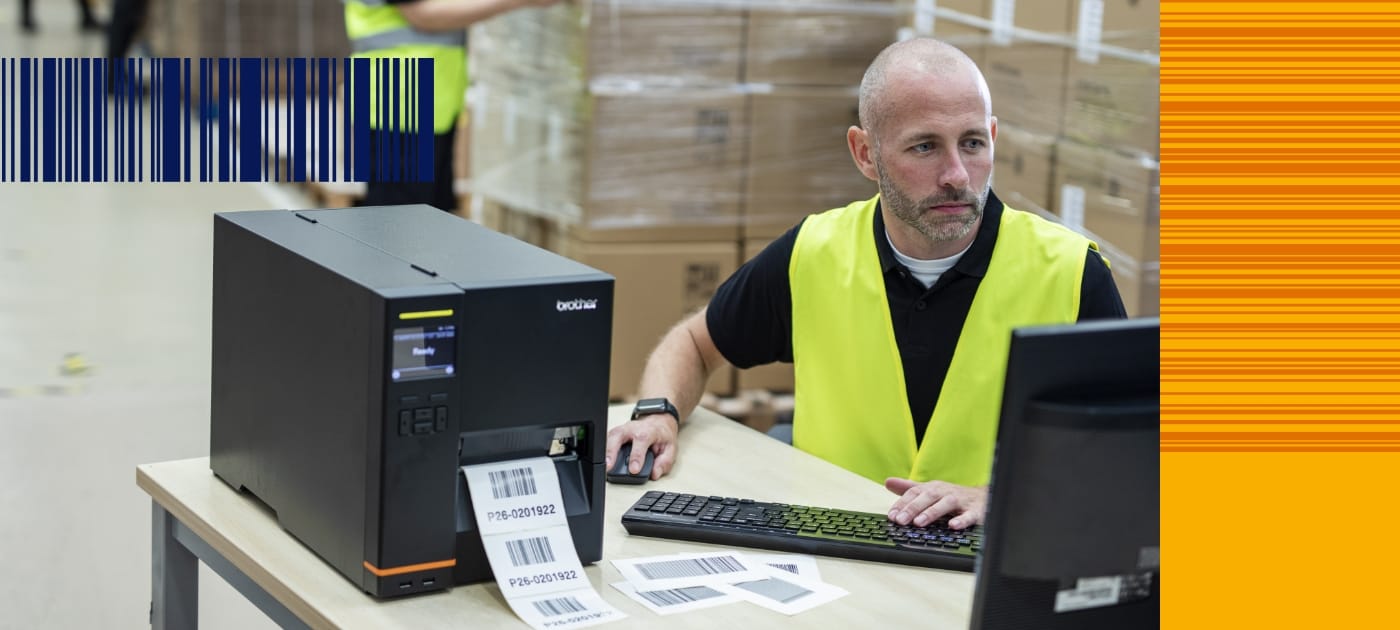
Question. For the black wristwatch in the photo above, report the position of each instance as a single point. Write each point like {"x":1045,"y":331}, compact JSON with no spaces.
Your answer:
{"x":653,"y":406}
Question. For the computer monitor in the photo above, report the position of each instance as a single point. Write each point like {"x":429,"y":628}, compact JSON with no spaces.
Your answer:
{"x":1071,"y":537}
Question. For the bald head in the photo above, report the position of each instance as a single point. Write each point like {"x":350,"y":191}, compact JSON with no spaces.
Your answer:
{"x":914,"y":60}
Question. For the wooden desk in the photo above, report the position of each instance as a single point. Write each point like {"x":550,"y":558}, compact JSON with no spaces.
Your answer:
{"x":198,"y":517}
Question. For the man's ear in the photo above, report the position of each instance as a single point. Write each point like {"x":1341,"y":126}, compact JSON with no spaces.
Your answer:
{"x":859,"y":142}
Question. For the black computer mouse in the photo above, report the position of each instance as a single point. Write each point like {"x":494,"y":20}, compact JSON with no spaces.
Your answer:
{"x":619,"y":474}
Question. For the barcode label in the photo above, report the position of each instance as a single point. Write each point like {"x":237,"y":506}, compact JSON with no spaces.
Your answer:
{"x":1090,"y":32}
{"x":677,"y":596}
{"x":1094,"y":592}
{"x":515,"y":482}
{"x":215,"y":120}
{"x":776,"y":590}
{"x":790,"y":568}
{"x":691,"y":567}
{"x":529,"y":551}
{"x":1072,"y":206}
{"x":1003,"y":21}
{"x":560,"y":606}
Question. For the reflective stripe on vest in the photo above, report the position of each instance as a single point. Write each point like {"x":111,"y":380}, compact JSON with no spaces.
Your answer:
{"x":379,"y":31}
{"x":407,"y":36}
{"x":851,"y":403}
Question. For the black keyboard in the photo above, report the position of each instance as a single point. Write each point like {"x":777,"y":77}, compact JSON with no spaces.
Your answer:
{"x":802,"y":529}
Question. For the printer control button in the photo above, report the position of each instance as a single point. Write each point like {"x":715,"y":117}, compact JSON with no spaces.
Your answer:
{"x":405,"y":421}
{"x":422,"y":428}
{"x":411,"y":399}
{"x":422,"y":414}
{"x":440,"y":421}
{"x":438,"y":397}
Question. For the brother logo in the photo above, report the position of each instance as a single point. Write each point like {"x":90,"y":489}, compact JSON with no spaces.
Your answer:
{"x":579,"y":304}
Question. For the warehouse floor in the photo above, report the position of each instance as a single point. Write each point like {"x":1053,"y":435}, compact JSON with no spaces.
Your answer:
{"x":104,"y":365}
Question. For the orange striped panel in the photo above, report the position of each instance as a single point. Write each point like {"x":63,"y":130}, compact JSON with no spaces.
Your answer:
{"x":1280,"y":241}
{"x":1280,"y":308}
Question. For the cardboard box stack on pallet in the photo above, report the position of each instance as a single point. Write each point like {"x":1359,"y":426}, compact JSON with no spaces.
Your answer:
{"x":1074,"y":86}
{"x":663,"y":140}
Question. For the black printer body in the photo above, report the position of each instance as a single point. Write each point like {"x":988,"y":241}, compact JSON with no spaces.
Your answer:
{"x":361,"y":356}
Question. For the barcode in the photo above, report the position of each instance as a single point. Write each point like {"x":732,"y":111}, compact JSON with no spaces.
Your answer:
{"x":690,"y":567}
{"x":776,"y":590}
{"x":675,"y":596}
{"x":560,"y":606}
{"x":790,"y":568}
{"x":214,"y":119}
{"x":512,"y":483}
{"x":529,"y":551}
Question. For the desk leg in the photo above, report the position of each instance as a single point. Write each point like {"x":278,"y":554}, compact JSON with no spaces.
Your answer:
{"x":174,"y":576}
{"x":176,"y":552}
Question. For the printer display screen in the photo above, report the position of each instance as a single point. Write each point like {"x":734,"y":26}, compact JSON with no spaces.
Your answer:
{"x":424,"y":352}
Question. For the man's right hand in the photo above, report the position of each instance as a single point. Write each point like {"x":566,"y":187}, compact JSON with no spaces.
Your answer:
{"x":657,"y":432}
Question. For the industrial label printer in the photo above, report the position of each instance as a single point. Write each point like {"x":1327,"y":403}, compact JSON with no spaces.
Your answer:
{"x":361,"y":356}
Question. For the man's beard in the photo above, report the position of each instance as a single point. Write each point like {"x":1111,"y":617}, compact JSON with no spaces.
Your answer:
{"x":936,"y":228}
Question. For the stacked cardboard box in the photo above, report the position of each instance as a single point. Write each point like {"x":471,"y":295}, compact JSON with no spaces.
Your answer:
{"x":632,"y":124}
{"x":962,"y":23}
{"x":1026,"y":74}
{"x":798,"y":162}
{"x":1112,"y":96}
{"x":1113,"y":197}
{"x":1023,"y":169}
{"x":1111,"y":125}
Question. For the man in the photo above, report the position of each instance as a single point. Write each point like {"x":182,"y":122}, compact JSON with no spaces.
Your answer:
{"x":416,"y":29}
{"x":895,"y":311}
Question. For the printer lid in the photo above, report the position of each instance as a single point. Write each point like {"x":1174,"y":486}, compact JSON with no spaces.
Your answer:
{"x":457,"y":250}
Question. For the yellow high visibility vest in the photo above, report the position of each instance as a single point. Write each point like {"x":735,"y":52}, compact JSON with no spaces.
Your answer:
{"x":851,"y":404}
{"x":377,"y":30}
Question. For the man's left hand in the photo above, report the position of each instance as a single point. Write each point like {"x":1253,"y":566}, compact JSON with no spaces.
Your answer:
{"x":924,"y":503}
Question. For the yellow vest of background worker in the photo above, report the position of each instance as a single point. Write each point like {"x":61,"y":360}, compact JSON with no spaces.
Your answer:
{"x":377,"y":30}
{"x":851,"y":405}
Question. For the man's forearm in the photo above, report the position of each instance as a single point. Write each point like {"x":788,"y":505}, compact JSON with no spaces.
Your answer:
{"x":677,"y":369}
{"x":453,"y":15}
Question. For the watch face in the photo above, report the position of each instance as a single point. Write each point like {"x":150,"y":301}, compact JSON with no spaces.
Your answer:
{"x":647,"y":406}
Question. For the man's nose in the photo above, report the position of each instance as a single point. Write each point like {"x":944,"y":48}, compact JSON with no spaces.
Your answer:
{"x":954,"y":174}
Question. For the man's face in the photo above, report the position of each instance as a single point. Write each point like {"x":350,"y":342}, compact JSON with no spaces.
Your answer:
{"x":933,"y":154}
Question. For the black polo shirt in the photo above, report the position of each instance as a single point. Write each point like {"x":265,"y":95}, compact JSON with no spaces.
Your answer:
{"x":750,"y":315}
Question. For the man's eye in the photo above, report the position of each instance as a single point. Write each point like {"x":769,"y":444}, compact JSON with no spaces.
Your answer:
{"x":923,"y":147}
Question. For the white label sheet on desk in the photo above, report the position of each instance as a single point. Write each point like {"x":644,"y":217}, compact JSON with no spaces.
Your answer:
{"x":674,"y":600}
{"x":679,"y":571}
{"x":520,"y":512}
{"x":784,"y":592}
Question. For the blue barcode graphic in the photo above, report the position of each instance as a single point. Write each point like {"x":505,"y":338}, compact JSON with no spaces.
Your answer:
{"x":216,"y":120}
